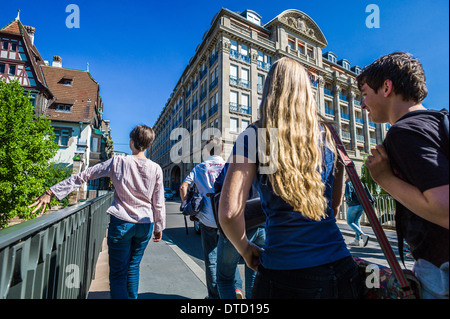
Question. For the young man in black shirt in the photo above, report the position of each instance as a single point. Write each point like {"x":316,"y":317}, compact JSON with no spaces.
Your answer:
{"x":412,"y":164}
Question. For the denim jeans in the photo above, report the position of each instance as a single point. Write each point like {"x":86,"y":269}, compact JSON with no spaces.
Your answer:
{"x":126,"y":246}
{"x":209,"y":237}
{"x":227,"y":270}
{"x":354,"y":214}
{"x":336,"y":280}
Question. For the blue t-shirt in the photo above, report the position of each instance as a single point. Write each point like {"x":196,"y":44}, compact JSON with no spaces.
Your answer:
{"x":294,"y":241}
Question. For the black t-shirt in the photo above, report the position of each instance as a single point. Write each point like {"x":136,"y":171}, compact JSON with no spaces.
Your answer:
{"x":417,"y":147}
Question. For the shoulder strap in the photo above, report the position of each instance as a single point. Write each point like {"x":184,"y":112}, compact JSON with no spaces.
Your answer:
{"x":371,"y":215}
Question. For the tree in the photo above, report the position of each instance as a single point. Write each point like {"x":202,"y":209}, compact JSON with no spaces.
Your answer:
{"x":26,"y":147}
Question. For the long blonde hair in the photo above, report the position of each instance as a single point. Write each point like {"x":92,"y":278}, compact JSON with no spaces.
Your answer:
{"x":288,"y":105}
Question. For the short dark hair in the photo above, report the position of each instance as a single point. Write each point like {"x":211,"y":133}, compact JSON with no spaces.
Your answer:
{"x":142,"y":137}
{"x":216,"y":144}
{"x":405,"y":72}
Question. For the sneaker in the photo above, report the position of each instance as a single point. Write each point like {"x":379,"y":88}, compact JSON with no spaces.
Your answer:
{"x":354,"y":243}
{"x":239,"y":294}
{"x":365,"y":239}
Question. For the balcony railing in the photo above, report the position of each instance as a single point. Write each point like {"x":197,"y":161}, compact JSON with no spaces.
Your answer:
{"x":343,"y":97}
{"x":263,"y":65}
{"x":213,"y":59}
{"x":54,"y":256}
{"x":213,"y":110}
{"x":328,"y":92}
{"x":239,"y":108}
{"x":213,"y":84}
{"x":239,"y":56}
{"x":240,"y":82}
{"x":345,"y":116}
{"x":329,"y":111}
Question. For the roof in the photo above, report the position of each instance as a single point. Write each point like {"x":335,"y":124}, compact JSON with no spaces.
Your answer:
{"x":82,"y":94}
{"x":16,"y":28}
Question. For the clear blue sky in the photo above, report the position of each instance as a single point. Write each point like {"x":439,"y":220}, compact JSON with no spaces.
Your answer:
{"x":137,"y":49}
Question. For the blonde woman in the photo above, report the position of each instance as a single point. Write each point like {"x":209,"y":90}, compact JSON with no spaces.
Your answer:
{"x":305,"y":255}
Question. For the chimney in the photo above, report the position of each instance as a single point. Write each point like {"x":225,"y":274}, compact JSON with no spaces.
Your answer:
{"x":57,"y":61}
{"x":30,"y":31}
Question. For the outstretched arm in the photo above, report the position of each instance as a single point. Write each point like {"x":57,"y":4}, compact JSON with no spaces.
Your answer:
{"x":72,"y":183}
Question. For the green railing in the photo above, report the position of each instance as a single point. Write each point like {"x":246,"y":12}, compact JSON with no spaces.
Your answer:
{"x":384,"y":208}
{"x":53,"y":256}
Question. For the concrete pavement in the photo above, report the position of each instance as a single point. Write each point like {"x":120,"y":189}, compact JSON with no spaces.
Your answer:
{"x":167,"y":272}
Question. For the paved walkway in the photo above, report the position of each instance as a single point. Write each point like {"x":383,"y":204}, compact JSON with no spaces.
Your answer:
{"x":169,"y":273}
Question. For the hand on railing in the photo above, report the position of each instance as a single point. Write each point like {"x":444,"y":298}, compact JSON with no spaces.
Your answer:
{"x":44,"y":200}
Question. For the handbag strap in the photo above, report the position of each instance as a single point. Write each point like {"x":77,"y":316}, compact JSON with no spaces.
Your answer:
{"x":370,"y":212}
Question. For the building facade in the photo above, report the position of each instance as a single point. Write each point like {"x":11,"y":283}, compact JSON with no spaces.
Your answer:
{"x":221,"y":88}
{"x":69,"y":98}
{"x":20,"y":59}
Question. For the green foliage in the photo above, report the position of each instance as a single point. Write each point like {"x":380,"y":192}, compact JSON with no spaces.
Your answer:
{"x":26,"y":146}
{"x":366,"y":178}
{"x":55,"y":174}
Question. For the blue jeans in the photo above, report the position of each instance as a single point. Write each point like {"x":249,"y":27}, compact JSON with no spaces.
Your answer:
{"x":336,"y":280}
{"x":228,"y":259}
{"x":354,"y":214}
{"x":126,"y":245}
{"x":209,"y":237}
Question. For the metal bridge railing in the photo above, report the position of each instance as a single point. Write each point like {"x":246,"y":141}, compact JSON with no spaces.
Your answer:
{"x":384,"y":207}
{"x":53,"y":256}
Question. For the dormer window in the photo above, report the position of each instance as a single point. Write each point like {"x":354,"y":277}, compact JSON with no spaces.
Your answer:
{"x":66,"y":108}
{"x":67,"y":80}
{"x":330,"y":57}
{"x":346,"y":65}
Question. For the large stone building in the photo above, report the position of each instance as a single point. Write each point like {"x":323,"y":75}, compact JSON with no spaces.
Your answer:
{"x":221,"y":87}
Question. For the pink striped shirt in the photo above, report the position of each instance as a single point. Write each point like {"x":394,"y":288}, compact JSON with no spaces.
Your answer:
{"x":139,"y":189}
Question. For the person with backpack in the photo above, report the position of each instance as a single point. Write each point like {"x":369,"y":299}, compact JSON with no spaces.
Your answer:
{"x":354,"y":213}
{"x":204,"y":175}
{"x":412,"y":163}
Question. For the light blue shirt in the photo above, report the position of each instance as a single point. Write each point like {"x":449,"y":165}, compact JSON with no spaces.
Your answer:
{"x":204,"y":175}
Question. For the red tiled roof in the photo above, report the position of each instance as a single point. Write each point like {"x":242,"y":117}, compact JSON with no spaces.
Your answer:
{"x":13,"y":27}
{"x":16,"y":28}
{"x":83,"y":89}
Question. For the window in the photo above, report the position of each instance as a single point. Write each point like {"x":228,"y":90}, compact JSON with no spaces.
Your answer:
{"x":94,"y":144}
{"x":310,"y":53}
{"x":244,"y":74}
{"x":13,"y":46}
{"x":12,"y":70}
{"x":233,"y":45}
{"x":2,"y":68}
{"x":260,"y":83}
{"x":67,"y":82}
{"x":233,"y":125}
{"x":62,"y":136}
{"x":234,"y":97}
{"x":301,"y":47}
{"x":5,"y":45}
{"x":244,"y":124}
{"x":64,"y":108}
{"x":233,"y":71}
{"x":244,"y":99}
{"x":244,"y":50}
{"x":291,"y":43}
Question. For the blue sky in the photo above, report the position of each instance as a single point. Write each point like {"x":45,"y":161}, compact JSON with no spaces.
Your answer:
{"x":137,"y":49}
